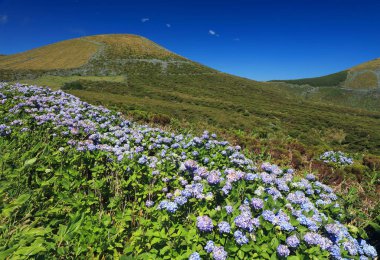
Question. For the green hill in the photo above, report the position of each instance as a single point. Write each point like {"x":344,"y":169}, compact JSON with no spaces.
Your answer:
{"x":152,"y":84}
{"x":365,"y":76}
{"x":100,"y":55}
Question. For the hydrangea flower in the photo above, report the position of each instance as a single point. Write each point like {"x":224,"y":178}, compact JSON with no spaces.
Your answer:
{"x":209,"y":246}
{"x":257,"y":203}
{"x":149,"y":203}
{"x":240,"y":238}
{"x":195,"y":256}
{"x":218,"y":253}
{"x":224,"y":227}
{"x":204,"y":223}
{"x":293,"y":241}
{"x":283,"y":251}
{"x":229,"y":209}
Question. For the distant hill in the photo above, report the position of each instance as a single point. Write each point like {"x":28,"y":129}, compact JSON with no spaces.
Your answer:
{"x":148,"y":82}
{"x":365,"y":76}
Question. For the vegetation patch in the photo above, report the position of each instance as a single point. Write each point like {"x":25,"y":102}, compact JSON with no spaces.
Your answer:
{"x":79,"y":181}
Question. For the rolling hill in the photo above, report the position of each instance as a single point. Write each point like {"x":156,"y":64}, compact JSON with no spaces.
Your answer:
{"x":357,"y":87}
{"x":144,"y":80}
{"x":101,"y":55}
{"x":365,"y":76}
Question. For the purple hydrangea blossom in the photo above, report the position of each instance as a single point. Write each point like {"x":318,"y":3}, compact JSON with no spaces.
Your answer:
{"x":204,"y":223}
{"x":224,"y":227}
{"x":283,"y":251}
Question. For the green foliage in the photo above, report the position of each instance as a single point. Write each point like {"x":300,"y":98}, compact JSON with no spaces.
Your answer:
{"x":72,"y":85}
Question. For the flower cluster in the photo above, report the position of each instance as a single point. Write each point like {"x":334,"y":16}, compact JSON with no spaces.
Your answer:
{"x":338,"y":158}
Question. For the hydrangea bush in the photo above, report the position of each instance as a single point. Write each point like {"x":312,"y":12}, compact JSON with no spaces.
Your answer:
{"x":108,"y":187}
{"x":336,"y":158}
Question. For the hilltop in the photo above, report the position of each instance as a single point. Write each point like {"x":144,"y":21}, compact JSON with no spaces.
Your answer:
{"x":100,"y":55}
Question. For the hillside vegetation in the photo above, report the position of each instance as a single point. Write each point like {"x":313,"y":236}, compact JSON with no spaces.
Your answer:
{"x":80,"y":181}
{"x":365,"y":76}
{"x":331,"y":80}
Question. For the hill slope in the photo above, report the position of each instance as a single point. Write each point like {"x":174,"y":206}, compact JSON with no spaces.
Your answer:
{"x":80,"y":182}
{"x":150,"y":83}
{"x":365,"y":76}
{"x":100,"y":55}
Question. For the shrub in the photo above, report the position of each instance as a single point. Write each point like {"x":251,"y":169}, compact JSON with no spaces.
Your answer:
{"x":372,"y":161}
{"x":74,"y":85}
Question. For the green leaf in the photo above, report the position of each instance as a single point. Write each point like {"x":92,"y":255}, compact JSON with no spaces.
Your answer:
{"x":30,"y":161}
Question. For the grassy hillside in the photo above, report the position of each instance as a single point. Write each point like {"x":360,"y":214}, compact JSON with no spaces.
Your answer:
{"x":81,"y":182}
{"x":235,"y":104}
{"x":100,"y":55}
{"x":370,"y":65}
{"x":62,"y":55}
{"x":335,"y":79}
{"x":367,"y":99}
{"x":365,"y":76}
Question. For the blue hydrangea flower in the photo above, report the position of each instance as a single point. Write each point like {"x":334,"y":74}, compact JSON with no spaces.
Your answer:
{"x":293,"y":241}
{"x":368,"y":249}
{"x":195,"y":256}
{"x":229,"y":209}
{"x":149,"y":203}
{"x":257,"y":203}
{"x":209,"y":246}
{"x":218,"y":253}
{"x":204,"y":223}
{"x":240,"y":238}
{"x":283,"y":251}
{"x":224,"y":227}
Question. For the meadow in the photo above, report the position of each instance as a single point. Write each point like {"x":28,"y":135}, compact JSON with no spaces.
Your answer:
{"x":82,"y":181}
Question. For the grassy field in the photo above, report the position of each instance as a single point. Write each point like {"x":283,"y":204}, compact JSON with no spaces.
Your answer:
{"x":57,"y":82}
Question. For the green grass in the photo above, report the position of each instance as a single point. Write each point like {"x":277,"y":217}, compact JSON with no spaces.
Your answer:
{"x":56,"y":82}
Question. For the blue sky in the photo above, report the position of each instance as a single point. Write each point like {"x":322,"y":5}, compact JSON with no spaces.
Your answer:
{"x":257,"y":39}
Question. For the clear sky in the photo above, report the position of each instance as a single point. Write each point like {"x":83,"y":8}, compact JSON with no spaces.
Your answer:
{"x":257,"y":39}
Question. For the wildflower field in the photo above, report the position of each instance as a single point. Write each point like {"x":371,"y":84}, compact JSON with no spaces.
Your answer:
{"x":79,"y":181}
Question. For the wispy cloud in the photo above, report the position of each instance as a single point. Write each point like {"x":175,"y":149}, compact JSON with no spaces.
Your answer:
{"x":168,"y":25}
{"x":144,"y":20}
{"x":213,"y":33}
{"x":236,"y":39}
{"x":3,"y":19}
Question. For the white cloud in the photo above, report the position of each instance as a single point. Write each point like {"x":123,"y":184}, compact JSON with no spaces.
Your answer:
{"x":145,"y":20}
{"x":213,"y":33}
{"x":3,"y":19}
{"x":168,"y":25}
